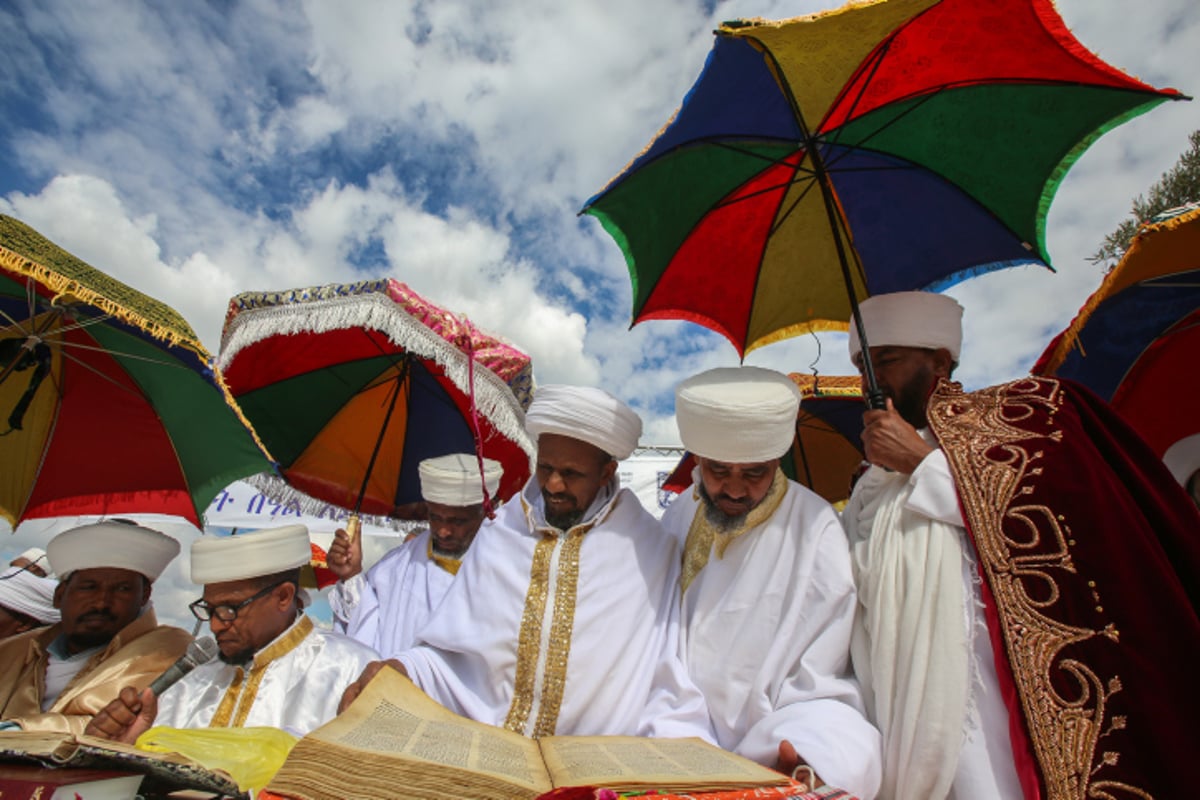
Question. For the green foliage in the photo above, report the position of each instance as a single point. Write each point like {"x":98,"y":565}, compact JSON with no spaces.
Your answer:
{"x":1177,"y":186}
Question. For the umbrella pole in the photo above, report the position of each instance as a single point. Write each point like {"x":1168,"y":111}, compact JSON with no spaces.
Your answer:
{"x":354,"y":523}
{"x":874,"y":396}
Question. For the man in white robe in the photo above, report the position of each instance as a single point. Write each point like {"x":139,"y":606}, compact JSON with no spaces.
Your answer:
{"x":921,"y":646}
{"x":386,"y":608}
{"x":274,"y":668}
{"x":564,"y":617}
{"x":768,"y":595}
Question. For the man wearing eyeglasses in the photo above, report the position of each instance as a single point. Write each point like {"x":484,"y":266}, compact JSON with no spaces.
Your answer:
{"x":274,"y":668}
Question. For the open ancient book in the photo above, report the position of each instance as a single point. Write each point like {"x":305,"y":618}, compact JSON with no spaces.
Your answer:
{"x":394,"y":741}
{"x":163,"y":771}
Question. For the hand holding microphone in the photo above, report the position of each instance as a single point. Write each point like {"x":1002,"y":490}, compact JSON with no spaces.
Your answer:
{"x":132,"y":713}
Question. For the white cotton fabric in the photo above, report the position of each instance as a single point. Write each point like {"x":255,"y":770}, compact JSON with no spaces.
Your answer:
{"x":37,"y":556}
{"x":29,"y":594}
{"x":921,"y":646}
{"x":766,"y":637}
{"x":1183,"y":458}
{"x":623,"y":673}
{"x":454,"y":480}
{"x":298,"y":693}
{"x":388,"y":605}
{"x":737,"y":415}
{"x":909,"y":319}
{"x":218,"y":559}
{"x":115,"y":545}
{"x":590,"y":415}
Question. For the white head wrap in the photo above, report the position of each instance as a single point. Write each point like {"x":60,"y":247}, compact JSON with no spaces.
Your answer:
{"x":1183,"y":458}
{"x":454,"y":480}
{"x":738,"y":415}
{"x":590,"y":415}
{"x":29,"y":594}
{"x":217,"y":559}
{"x":120,"y":545}
{"x":37,"y":556}
{"x":910,"y":319}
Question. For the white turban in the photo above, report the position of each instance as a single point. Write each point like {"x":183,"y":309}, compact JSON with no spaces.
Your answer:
{"x":217,"y":559}
{"x":120,"y":545}
{"x":26,"y":593}
{"x":37,"y":557}
{"x":1183,"y":458}
{"x":454,"y":480}
{"x":590,"y":415}
{"x":738,"y":415}
{"x":910,"y":319}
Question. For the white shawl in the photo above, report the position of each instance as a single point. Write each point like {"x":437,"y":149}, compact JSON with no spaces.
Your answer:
{"x":910,"y":648}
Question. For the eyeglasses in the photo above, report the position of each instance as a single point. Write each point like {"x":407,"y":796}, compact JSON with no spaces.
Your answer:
{"x":227,"y":612}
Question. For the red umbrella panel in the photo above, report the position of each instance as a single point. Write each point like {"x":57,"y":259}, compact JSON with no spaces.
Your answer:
{"x":351,"y":386}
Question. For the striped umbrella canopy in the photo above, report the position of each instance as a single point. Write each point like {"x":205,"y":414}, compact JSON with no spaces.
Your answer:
{"x":351,"y":386}
{"x":1135,"y":340}
{"x":108,"y":404}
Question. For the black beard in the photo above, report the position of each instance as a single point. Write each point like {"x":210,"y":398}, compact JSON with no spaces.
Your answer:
{"x":911,"y":398}
{"x":86,"y":641}
{"x":239,"y":659}
{"x":564,"y":522}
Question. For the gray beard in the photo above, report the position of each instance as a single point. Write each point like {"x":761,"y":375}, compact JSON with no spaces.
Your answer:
{"x":718,"y":518}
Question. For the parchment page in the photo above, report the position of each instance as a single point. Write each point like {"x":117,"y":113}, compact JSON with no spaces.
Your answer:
{"x":394,"y":719}
{"x":633,"y":761}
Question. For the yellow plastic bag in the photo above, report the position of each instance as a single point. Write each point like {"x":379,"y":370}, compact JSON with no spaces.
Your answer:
{"x":251,"y":756}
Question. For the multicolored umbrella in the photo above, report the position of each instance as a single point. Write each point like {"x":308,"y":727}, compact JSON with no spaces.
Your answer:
{"x":352,"y":386}
{"x":107,"y":402}
{"x":1136,"y":339}
{"x":885,"y":146}
{"x":827,"y":450}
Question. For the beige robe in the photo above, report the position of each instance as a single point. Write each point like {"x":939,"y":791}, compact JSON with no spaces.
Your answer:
{"x":138,"y":654}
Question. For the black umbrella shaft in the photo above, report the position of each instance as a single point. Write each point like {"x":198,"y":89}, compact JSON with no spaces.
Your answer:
{"x":874,"y":395}
{"x":400,"y":379}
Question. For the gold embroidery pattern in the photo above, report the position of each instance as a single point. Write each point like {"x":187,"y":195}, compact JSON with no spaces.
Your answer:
{"x":1025,"y":550}
{"x":244,"y":701}
{"x":554,"y":677}
{"x":702,"y":533}
{"x":530,"y":637}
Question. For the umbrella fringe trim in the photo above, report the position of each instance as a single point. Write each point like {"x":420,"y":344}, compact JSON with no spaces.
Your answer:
{"x":63,"y":285}
{"x":493,"y":397}
{"x":277,"y":490}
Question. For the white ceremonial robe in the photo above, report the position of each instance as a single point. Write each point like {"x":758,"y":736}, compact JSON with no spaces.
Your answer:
{"x":766,"y":637}
{"x":385,"y":607}
{"x":545,"y":632}
{"x":294,"y":683}
{"x":985,"y":768}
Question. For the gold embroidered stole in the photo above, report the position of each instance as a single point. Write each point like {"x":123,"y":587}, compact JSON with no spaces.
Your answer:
{"x":994,"y":440}
{"x":243,"y":690}
{"x":565,"y":581}
{"x":704,"y":537}
{"x":448,"y":563}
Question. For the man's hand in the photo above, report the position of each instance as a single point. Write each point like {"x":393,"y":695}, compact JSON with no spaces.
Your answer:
{"x":345,"y":555}
{"x":889,"y":441}
{"x":126,"y":718}
{"x":789,"y":760}
{"x":371,"y":670}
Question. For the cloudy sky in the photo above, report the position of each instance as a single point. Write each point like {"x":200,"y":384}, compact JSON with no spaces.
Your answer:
{"x":197,"y":150}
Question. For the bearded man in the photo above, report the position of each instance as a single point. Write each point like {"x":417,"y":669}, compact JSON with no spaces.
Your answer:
{"x":1028,"y":578}
{"x":768,"y":595}
{"x":564,"y":618}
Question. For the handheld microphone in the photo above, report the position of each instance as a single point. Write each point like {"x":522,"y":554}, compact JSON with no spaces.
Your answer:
{"x":198,"y":652}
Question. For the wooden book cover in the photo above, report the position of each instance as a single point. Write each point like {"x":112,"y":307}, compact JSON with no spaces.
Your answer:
{"x":394,"y":741}
{"x":163,"y":772}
